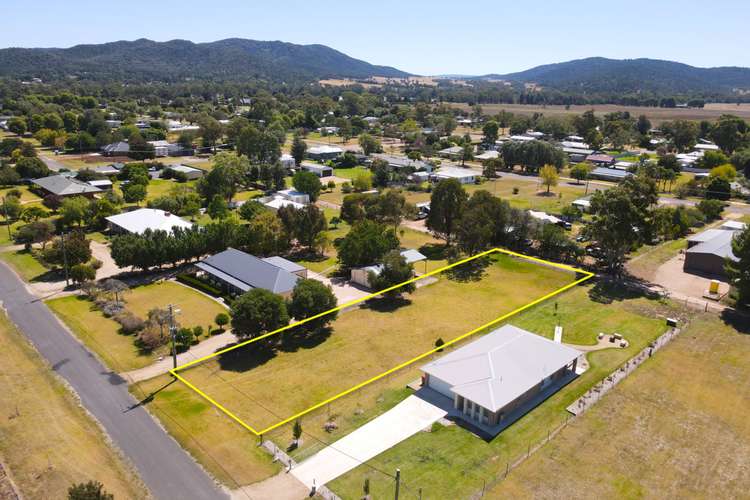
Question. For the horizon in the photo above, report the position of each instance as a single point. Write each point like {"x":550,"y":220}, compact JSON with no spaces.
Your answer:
{"x":419,"y":37}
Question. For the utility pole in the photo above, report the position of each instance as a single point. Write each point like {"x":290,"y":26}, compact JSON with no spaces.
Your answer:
{"x":65,"y":260}
{"x":398,"y":482}
{"x":7,"y":220}
{"x":173,"y":334}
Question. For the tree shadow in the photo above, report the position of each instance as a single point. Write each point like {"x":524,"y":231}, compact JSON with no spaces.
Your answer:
{"x":471,"y":271}
{"x":246,"y":357}
{"x":607,"y":291}
{"x":303,"y":337}
{"x":434,"y":251}
{"x":739,"y":320}
{"x":386,"y":304}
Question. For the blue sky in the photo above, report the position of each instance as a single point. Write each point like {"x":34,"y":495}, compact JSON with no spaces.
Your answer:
{"x":423,"y":37}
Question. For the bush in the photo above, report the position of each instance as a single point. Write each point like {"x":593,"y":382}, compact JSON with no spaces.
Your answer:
{"x":130,"y":323}
{"x":199,"y":284}
{"x":110,"y":307}
{"x":712,"y":209}
{"x":515,"y":190}
{"x":346,"y":188}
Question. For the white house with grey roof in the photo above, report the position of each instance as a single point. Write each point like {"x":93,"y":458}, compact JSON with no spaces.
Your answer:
{"x":138,"y":221}
{"x":708,"y":251}
{"x":237,"y":272}
{"x":500,"y":373}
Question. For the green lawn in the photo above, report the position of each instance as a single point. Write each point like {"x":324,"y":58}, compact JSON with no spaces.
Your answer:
{"x":119,"y":351}
{"x":675,"y":428}
{"x":647,"y":259}
{"x":292,"y":378}
{"x":25,"y":264}
{"x":5,"y":237}
{"x":26,"y":195}
{"x":452,"y":463}
{"x":349,"y":173}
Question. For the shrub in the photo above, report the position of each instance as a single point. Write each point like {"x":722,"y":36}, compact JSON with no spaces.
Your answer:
{"x":130,"y":323}
{"x":110,"y":308}
{"x":712,"y":209}
{"x":151,"y":337}
{"x":346,"y":188}
{"x":515,"y":190}
{"x":439,"y":343}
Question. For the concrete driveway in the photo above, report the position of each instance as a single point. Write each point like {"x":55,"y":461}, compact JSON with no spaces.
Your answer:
{"x":342,"y":289}
{"x":410,"y":416}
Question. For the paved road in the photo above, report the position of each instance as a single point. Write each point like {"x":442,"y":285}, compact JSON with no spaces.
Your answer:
{"x":167,"y":470}
{"x":53,"y":164}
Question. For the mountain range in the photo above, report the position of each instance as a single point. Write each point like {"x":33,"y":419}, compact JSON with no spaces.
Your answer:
{"x":237,"y":59}
{"x":599,"y":74}
{"x":230,"y":59}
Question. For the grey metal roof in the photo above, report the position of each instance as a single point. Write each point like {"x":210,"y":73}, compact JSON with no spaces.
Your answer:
{"x":499,"y":367}
{"x":64,"y":186}
{"x":286,"y":265}
{"x":719,"y":244}
{"x":247,"y":271}
{"x":610,"y":172}
{"x":117,"y":147}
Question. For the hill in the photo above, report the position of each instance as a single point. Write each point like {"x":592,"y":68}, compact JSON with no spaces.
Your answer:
{"x":598,"y":74}
{"x":230,"y":59}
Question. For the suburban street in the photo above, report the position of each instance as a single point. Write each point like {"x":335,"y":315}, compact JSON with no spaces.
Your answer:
{"x":167,"y":471}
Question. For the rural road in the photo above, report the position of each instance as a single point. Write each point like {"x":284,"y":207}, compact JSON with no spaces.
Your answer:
{"x":167,"y":471}
{"x":52,"y":164}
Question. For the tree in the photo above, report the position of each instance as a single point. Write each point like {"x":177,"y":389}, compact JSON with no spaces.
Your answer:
{"x":718,"y":188}
{"x":394,"y":270}
{"x":490,"y":131}
{"x":739,"y":270}
{"x":711,"y":209}
{"x":483,"y":224}
{"x":365,"y":244}
{"x":390,"y":207}
{"x":549,"y":176}
{"x":218,"y":208}
{"x":740,"y":159}
{"x":730,"y":133}
{"x":77,"y":250}
{"x":9,"y":176}
{"x":446,"y":207}
{"x":381,"y":172}
{"x":92,"y":490}
{"x":643,"y":125}
{"x":362,"y":181}
{"x":11,"y":208}
{"x":303,"y":224}
{"x":134,"y":193}
{"x":210,"y":130}
{"x":221,"y":319}
{"x":33,"y":213}
{"x":369,"y":144}
{"x":249,"y":210}
{"x":257,"y":312}
{"x":36,"y":232}
{"x":299,"y":148}
{"x":31,"y":168}
{"x":580,"y":172}
{"x":683,"y":133}
{"x":296,"y":432}
{"x":310,"y":298}
{"x":308,"y":183}
{"x":266,"y":234}
{"x":615,"y":216}
{"x":80,"y":273}
{"x":225,"y":178}
{"x":491,"y":166}
{"x":117,"y":288}
{"x":74,"y":210}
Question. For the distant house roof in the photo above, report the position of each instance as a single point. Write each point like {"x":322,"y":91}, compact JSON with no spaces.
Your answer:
{"x":107,"y":170}
{"x":100,"y":183}
{"x":543,"y":217}
{"x":600,"y":158}
{"x":116,"y":148}
{"x":455,"y":173}
{"x":451,"y":150}
{"x":279,"y":201}
{"x":733,"y":225}
{"x":246,"y":271}
{"x":609,"y":173}
{"x":320,"y":150}
{"x":402,"y":162}
{"x":577,"y":151}
{"x":497,"y":368}
{"x":487,"y":155}
{"x":185,"y":169}
{"x":138,"y":221}
{"x":61,"y":185}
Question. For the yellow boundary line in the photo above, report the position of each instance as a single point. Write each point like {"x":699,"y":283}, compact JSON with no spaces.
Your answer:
{"x":175,"y":371}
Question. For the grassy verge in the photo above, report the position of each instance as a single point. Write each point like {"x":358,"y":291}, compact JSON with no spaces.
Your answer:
{"x":25,"y":264}
{"x":676,"y":428}
{"x":47,"y":441}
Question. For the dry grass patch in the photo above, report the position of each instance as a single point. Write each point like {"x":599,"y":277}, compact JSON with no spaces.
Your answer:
{"x":47,"y":441}
{"x":676,"y":428}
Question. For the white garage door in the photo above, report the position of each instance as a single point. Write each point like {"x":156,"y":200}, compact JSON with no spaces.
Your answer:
{"x":440,"y":386}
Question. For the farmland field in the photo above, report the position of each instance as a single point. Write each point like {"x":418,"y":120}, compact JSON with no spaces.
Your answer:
{"x":657,"y":115}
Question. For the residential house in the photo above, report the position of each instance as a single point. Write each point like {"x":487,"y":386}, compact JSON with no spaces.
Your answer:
{"x":295,"y":196}
{"x":497,"y":378}
{"x":453,"y":152}
{"x":600,"y":160}
{"x":323,"y":153}
{"x":103,"y":184}
{"x":191,"y":173}
{"x":487,"y":155}
{"x":319,"y":170}
{"x":166,"y":148}
{"x":142,"y":219}
{"x":287,"y":161}
{"x":109,"y":170}
{"x":398,"y":162}
{"x":237,"y":272}
{"x":63,"y":186}
{"x":609,"y":174}
{"x":462,"y":175}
